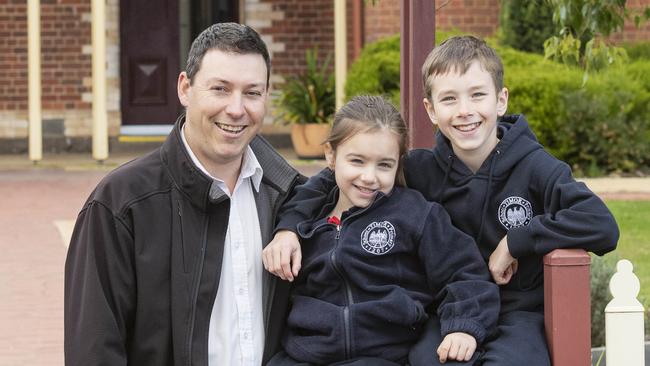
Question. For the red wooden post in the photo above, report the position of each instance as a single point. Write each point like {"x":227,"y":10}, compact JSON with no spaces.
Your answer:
{"x":567,"y":307}
{"x":417,"y":39}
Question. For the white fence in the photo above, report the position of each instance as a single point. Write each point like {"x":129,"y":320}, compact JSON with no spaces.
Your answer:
{"x":624,"y":317}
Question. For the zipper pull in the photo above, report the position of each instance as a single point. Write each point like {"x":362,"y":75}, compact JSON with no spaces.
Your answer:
{"x":336,"y":221}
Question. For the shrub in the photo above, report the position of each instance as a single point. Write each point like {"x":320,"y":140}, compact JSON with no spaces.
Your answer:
{"x":376,"y":71}
{"x":310,"y":97}
{"x":601,"y":128}
{"x":611,"y":120}
{"x":526,"y":24}
{"x":638,"y":51}
{"x":602,"y":270}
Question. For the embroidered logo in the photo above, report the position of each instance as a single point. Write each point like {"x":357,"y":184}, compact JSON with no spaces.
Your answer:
{"x":515,"y":212}
{"x":378,"y":238}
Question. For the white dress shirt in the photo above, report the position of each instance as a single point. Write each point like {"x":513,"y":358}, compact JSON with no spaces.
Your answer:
{"x":236,"y":335}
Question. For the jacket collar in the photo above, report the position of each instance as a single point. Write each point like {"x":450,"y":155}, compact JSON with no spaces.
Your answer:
{"x":201,"y":189}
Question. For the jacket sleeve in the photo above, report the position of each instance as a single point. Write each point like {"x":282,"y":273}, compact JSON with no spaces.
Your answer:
{"x":307,"y":200}
{"x":100,"y":290}
{"x":467,"y":300}
{"x":574,"y":217}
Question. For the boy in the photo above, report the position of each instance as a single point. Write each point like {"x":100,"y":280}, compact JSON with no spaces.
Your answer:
{"x":498,"y":185}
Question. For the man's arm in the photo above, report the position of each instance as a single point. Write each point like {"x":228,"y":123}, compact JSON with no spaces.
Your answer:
{"x":99,"y":290}
{"x":282,"y":256}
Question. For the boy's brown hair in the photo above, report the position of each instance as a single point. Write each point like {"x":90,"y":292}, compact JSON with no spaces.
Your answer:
{"x":457,"y":54}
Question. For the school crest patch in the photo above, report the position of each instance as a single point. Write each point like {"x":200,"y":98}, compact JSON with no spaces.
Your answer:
{"x":514,"y":212}
{"x":378,"y":238}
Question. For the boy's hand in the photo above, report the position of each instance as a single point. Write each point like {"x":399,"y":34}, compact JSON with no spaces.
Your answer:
{"x":283,"y":256}
{"x":457,"y":346}
{"x":501,"y":264}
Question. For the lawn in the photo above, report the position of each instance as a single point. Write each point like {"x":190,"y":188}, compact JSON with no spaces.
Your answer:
{"x":633,"y":219}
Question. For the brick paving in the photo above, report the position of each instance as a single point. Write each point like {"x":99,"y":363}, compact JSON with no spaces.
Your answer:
{"x":39,"y":203}
{"x":32,"y":255}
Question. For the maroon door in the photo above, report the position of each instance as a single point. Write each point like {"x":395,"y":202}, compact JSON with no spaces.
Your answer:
{"x":149,"y":61}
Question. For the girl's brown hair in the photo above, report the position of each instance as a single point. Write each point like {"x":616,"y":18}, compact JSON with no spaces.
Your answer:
{"x":369,"y":113}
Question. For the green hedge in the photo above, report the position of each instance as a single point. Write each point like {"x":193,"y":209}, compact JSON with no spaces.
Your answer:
{"x":638,"y":51}
{"x":526,"y":24}
{"x":376,"y":71}
{"x":600,"y":128}
{"x":603,"y":127}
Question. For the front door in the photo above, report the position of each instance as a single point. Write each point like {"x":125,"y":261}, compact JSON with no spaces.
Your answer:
{"x":149,"y":46}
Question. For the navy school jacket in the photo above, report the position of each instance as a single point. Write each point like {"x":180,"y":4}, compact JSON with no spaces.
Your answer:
{"x":520,"y":191}
{"x":366,"y":284}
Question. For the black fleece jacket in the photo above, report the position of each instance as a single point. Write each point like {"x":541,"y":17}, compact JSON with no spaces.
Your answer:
{"x":365,"y":284}
{"x":520,"y":191}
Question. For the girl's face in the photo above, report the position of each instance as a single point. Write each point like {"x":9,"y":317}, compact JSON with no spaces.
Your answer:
{"x":364,"y":164}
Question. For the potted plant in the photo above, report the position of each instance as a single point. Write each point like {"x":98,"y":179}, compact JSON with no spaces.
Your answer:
{"x":308,"y":102}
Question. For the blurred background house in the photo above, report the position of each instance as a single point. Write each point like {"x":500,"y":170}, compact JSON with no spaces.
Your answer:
{"x":147,"y":44}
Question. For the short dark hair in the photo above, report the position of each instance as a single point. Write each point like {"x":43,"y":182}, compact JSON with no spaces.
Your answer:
{"x":227,"y":37}
{"x":457,"y":54}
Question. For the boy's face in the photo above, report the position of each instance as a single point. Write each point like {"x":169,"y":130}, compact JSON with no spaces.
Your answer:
{"x":465,"y":108}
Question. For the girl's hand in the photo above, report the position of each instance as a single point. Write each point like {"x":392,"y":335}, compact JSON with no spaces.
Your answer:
{"x":282,"y":256}
{"x":501,"y":264}
{"x":457,"y":346}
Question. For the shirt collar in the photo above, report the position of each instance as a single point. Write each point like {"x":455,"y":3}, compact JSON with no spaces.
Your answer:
{"x":250,"y":168}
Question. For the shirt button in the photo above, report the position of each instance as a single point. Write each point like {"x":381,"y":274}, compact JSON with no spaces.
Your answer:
{"x":241,"y":291}
{"x":245,"y":335}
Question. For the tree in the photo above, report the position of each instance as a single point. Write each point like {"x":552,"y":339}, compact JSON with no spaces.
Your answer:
{"x":582,"y":28}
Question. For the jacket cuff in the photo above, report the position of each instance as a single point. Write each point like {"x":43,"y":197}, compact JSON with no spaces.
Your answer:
{"x":463,"y":325}
{"x":520,"y":242}
{"x":289,"y":222}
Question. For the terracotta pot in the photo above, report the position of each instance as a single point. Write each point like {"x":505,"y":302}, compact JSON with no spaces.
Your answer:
{"x":308,"y":139}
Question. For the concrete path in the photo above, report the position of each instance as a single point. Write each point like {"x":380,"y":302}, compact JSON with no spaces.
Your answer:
{"x":37,"y":212}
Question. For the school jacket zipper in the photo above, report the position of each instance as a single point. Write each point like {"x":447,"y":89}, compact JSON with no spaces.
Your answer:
{"x":346,"y":284}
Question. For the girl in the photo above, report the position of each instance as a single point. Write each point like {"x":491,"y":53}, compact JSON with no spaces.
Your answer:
{"x":378,"y":256}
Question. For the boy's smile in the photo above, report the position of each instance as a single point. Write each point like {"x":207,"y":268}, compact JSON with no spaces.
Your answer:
{"x":465,"y":108}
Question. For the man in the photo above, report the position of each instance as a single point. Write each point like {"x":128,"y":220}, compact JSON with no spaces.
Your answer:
{"x":164,"y":266}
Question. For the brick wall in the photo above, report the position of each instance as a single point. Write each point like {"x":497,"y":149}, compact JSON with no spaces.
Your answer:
{"x":65,"y":67}
{"x":64,"y":33}
{"x":299,"y":25}
{"x":381,"y":19}
{"x":13,"y":55}
{"x":480,"y":17}
{"x":630,"y":32}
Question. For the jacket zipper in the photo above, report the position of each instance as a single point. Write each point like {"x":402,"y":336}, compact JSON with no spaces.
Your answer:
{"x":348,"y":293}
{"x":195,"y":293}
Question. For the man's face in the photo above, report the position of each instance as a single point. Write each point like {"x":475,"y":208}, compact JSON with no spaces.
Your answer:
{"x":465,"y":108}
{"x":225,"y":106}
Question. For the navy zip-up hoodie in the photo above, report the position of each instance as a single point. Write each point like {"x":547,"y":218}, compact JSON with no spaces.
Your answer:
{"x":366,"y":284}
{"x":520,"y":190}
